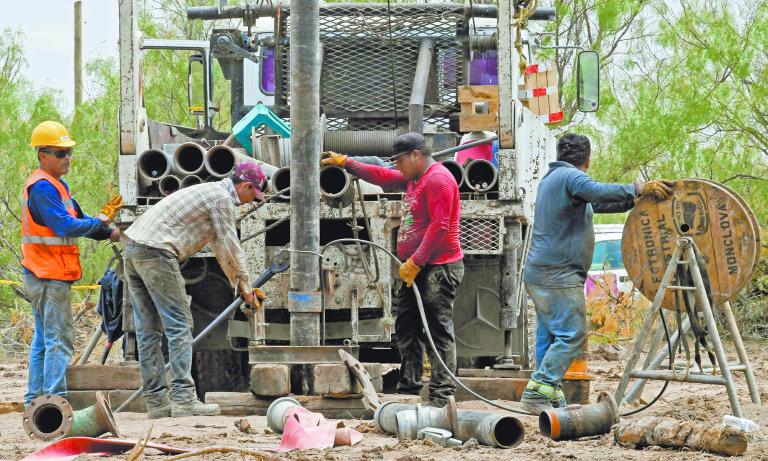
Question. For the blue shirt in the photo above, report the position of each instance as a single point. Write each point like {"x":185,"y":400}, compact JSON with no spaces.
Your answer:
{"x":563,"y":236}
{"x":46,"y":208}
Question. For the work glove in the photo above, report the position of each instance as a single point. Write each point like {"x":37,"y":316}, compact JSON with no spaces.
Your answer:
{"x":110,"y":209}
{"x":253,"y":299}
{"x":332,"y":158}
{"x":660,"y":188}
{"x":408,"y":272}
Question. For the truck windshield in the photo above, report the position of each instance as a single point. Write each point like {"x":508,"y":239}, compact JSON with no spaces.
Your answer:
{"x":607,"y":256}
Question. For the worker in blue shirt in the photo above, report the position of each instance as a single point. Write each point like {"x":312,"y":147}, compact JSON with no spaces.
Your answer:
{"x":562,"y":243}
{"x":51,"y":223}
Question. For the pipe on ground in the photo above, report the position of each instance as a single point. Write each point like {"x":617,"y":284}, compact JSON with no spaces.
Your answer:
{"x":189,"y":158}
{"x":491,"y":429}
{"x":221,"y":160}
{"x":576,"y":421}
{"x":154,"y":164}
{"x":481,"y":176}
{"x":456,"y":170}
{"x":169,"y":184}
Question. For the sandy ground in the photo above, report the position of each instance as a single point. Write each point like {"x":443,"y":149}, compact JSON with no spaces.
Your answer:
{"x":682,"y":401}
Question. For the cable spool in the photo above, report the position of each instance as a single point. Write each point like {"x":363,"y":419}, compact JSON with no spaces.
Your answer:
{"x":723,"y":227}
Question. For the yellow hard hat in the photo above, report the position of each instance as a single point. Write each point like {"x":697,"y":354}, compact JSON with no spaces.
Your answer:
{"x":50,"y":133}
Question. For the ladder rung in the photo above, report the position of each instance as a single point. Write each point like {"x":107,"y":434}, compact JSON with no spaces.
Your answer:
{"x":677,"y":287}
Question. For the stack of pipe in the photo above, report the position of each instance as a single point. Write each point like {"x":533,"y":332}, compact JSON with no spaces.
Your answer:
{"x":190,"y":164}
{"x":477,"y":176}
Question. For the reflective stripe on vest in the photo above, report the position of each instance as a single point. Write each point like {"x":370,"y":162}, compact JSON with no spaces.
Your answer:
{"x":49,"y":240}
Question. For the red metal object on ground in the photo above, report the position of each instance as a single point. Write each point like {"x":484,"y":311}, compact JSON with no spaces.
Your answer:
{"x":72,"y":447}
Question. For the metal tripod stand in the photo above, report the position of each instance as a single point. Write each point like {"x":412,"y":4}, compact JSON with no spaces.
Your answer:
{"x":684,"y":255}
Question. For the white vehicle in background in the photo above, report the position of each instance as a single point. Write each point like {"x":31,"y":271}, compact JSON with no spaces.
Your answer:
{"x":607,"y":271}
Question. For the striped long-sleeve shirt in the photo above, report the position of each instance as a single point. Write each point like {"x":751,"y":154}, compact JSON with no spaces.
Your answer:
{"x":185,"y":221}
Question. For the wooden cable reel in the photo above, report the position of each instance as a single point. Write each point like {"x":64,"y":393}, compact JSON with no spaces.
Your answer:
{"x":723,"y":227}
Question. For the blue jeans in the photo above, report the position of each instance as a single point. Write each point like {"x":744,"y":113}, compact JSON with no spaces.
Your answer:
{"x":51,"y":347}
{"x":561,"y":330}
{"x":159,"y":301}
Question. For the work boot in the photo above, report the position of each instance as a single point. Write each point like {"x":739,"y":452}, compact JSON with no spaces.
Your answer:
{"x":559,"y":400}
{"x":537,"y":397}
{"x":194,"y":407}
{"x":158,"y":407}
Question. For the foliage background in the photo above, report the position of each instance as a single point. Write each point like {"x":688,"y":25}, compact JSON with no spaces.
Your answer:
{"x":684,"y":94}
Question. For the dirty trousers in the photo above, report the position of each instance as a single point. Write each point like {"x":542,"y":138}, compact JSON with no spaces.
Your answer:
{"x":159,"y":301}
{"x":561,"y":330}
{"x":51,"y":347}
{"x":437,"y":286}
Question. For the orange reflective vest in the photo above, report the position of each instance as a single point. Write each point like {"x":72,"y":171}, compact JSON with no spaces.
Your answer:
{"x":45,"y":254}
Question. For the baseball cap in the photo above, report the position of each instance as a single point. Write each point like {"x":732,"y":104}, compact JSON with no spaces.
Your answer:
{"x":252,"y":173}
{"x":406,"y":143}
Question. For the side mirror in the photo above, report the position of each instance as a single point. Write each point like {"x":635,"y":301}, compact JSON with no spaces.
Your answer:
{"x":588,"y":81}
{"x":196,"y":84}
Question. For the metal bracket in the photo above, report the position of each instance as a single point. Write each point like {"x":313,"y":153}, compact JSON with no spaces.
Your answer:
{"x":224,"y":41}
{"x":371,"y":399}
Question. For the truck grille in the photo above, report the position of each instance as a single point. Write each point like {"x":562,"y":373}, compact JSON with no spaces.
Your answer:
{"x":480,"y":236}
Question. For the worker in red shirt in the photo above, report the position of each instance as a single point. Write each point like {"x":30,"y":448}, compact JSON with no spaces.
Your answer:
{"x":428,"y":242}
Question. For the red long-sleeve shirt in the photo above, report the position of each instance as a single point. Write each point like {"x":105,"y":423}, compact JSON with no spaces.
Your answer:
{"x":429,"y":230}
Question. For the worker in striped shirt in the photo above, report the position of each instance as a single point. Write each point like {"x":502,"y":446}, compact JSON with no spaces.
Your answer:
{"x":171,"y":231}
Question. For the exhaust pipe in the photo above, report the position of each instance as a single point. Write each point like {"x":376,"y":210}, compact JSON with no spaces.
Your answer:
{"x":169,"y":185}
{"x":189,"y":158}
{"x":280,"y":180}
{"x":154,"y":164}
{"x":191,"y":180}
{"x":51,"y":417}
{"x":221,"y":160}
{"x":491,"y":429}
{"x":481,"y":175}
{"x":456,"y":170}
{"x":576,"y":421}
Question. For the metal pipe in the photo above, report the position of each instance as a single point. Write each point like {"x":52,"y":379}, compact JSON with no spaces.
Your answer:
{"x":281,"y":179}
{"x":360,"y":142}
{"x":276,"y":413}
{"x":232,"y":12}
{"x":334,"y":182}
{"x":480,"y":175}
{"x":189,"y":158}
{"x":154,"y":164}
{"x":419,"y":89}
{"x":730,"y":321}
{"x":576,"y":421}
{"x":451,"y":150}
{"x":306,"y":144}
{"x":221,"y":160}
{"x":669,"y":375}
{"x":491,"y":429}
{"x":456,"y":170}
{"x":95,"y":337}
{"x":191,"y":180}
{"x":169,"y":184}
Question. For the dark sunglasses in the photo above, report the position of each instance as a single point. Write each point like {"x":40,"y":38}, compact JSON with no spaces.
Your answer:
{"x":59,"y":153}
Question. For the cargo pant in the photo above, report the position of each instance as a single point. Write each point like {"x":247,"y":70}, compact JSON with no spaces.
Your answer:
{"x":159,"y":301}
{"x":437,"y":285}
{"x":51,"y":347}
{"x":561,"y":330}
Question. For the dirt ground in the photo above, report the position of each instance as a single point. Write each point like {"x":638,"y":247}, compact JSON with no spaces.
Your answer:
{"x":682,"y":401}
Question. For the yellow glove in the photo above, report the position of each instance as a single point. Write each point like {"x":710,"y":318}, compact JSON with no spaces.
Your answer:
{"x":253,"y":298}
{"x":660,"y":188}
{"x":332,"y":158}
{"x":408,"y":272}
{"x":110,"y":209}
